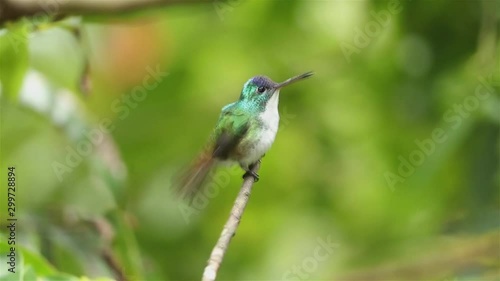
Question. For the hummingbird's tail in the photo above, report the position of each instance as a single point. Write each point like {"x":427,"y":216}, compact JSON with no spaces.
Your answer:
{"x":192,"y":178}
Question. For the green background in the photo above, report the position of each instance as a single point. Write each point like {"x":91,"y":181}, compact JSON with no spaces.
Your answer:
{"x":390,"y":151}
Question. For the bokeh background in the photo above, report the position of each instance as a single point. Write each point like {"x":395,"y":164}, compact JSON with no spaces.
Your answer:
{"x":388,"y":155}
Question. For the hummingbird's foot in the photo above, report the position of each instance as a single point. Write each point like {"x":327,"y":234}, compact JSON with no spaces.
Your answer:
{"x":250,"y":173}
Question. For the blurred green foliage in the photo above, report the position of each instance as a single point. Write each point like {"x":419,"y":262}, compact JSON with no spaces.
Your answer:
{"x":390,"y":151}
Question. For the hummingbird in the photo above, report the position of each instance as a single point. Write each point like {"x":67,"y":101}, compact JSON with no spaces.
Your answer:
{"x":244,"y":132}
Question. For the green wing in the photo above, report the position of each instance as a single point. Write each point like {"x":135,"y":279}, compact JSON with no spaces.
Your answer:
{"x":232,"y":126}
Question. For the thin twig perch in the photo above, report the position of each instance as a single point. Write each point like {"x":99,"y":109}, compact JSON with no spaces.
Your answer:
{"x":229,"y":230}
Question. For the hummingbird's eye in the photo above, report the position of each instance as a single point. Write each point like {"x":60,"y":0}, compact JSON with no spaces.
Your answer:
{"x":261,"y":89}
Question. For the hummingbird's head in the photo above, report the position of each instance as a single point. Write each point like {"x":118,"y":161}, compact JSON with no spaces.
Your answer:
{"x":259,"y":89}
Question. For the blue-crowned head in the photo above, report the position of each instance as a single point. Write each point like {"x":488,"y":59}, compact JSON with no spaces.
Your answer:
{"x":260,"y":89}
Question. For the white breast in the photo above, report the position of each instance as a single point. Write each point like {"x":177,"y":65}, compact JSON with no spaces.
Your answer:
{"x":270,"y":117}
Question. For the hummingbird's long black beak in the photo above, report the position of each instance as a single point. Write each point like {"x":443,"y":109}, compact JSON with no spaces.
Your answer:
{"x":294,"y":79}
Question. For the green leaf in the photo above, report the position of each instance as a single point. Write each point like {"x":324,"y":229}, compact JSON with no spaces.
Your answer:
{"x":39,"y":264}
{"x":28,"y":265}
{"x":14,"y":57}
{"x":32,"y":266}
{"x":28,"y":273}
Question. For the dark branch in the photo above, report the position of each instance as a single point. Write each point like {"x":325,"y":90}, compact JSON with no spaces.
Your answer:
{"x":11,"y":10}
